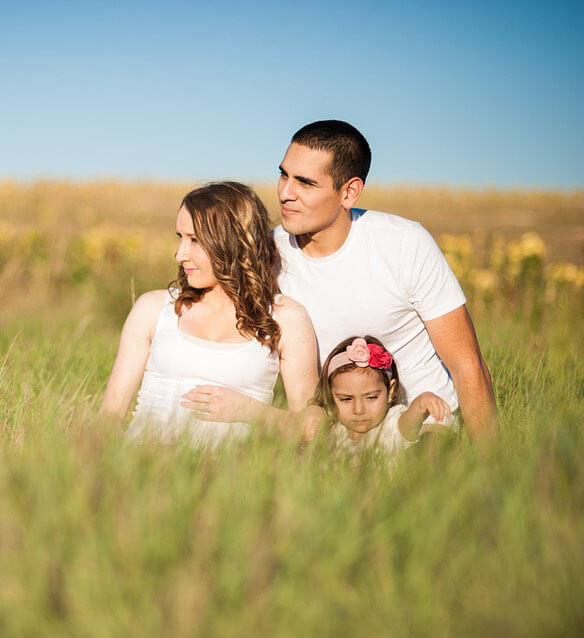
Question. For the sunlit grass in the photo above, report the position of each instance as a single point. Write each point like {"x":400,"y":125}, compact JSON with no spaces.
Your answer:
{"x":101,"y":538}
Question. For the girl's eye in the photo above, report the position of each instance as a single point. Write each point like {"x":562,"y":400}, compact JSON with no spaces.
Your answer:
{"x":374,"y":398}
{"x":344,"y":399}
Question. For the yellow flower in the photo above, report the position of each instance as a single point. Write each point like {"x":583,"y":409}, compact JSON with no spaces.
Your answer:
{"x":567,"y":274}
{"x":483,"y":280}
{"x":532,"y":245}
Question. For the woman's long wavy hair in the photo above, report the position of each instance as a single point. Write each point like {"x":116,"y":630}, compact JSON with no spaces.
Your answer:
{"x":323,"y":395}
{"x":232,"y":226}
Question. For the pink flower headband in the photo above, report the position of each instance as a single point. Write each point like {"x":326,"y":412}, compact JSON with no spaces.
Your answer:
{"x":363,"y":355}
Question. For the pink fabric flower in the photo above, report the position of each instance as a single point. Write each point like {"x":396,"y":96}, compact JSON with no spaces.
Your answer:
{"x":358,"y":352}
{"x":380,"y":357}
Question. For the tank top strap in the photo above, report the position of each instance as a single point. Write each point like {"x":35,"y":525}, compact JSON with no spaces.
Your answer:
{"x":167,"y":318}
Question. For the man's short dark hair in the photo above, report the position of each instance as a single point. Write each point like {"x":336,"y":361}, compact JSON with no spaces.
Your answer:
{"x":350,"y":150}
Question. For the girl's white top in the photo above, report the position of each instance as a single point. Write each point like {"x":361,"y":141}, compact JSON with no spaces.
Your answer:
{"x":386,"y":436}
{"x":177,"y":363}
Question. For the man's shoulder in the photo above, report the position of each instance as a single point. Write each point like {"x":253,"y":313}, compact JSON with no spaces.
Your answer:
{"x":282,"y":238}
{"x":379,"y":221}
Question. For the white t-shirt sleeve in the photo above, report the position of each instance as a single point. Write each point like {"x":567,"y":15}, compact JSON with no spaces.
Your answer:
{"x":429,"y":282}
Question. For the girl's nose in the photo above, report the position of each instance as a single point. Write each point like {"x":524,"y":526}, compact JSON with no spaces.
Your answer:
{"x":358,"y":406}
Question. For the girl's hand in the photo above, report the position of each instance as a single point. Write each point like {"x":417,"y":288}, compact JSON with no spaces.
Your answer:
{"x":425,"y":405}
{"x":216,"y":403}
{"x":430,"y":404}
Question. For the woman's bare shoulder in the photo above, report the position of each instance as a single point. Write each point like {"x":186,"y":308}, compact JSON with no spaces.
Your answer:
{"x":148,"y":306}
{"x":288,"y":309}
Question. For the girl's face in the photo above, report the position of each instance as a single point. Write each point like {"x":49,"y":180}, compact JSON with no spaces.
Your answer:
{"x":361,"y":399}
{"x":190,"y":254}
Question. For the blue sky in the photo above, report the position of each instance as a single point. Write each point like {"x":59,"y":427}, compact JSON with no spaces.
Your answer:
{"x":457,"y":93}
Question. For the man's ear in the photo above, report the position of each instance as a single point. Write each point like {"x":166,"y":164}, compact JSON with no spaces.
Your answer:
{"x":351,"y":192}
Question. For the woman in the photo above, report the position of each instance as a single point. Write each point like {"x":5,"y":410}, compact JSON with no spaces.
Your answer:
{"x":219,"y":335}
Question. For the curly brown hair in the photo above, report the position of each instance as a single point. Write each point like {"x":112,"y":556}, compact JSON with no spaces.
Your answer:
{"x":232,"y":226}
{"x":323,"y":395}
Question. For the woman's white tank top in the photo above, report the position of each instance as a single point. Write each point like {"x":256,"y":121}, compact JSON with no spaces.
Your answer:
{"x":177,"y":363}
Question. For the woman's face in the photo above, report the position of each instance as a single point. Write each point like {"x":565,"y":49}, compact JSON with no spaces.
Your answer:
{"x":190,"y":254}
{"x":361,"y":398}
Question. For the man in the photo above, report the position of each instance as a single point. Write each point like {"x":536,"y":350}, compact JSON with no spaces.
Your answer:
{"x":365,"y":272}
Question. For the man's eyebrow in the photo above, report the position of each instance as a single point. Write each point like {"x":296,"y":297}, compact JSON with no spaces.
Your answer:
{"x":300,"y":178}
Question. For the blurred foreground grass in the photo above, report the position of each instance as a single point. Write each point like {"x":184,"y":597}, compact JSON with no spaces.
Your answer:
{"x":99,"y":538}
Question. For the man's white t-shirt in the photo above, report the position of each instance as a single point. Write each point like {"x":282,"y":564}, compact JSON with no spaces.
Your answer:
{"x":385,"y":280}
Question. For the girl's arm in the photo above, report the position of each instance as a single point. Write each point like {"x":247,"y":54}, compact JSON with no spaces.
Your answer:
{"x":132,"y":355}
{"x":425,"y":405}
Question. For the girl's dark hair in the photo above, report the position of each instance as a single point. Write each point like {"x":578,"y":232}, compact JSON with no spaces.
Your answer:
{"x":323,"y":395}
{"x":232,"y":226}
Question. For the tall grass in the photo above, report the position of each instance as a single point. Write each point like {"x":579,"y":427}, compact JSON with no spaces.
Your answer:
{"x":102,"y":538}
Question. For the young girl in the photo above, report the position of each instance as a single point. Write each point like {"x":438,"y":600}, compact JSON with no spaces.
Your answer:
{"x":359,"y":389}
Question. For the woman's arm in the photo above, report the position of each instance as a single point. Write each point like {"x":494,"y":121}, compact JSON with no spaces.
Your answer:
{"x":298,"y":353}
{"x":298,"y":367}
{"x":424,"y":405}
{"x":132,"y":355}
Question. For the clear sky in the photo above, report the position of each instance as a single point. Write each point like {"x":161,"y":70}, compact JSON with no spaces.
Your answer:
{"x":458,"y":93}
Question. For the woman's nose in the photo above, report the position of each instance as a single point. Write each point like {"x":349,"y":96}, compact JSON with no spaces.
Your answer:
{"x":181,"y":252}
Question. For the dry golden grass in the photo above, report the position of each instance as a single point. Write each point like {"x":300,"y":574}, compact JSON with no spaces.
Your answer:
{"x":558,"y":217}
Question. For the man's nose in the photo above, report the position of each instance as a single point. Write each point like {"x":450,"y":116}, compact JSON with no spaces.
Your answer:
{"x":286,"y":190}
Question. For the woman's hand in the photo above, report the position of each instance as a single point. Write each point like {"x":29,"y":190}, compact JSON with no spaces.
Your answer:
{"x":312,"y":419}
{"x":216,"y":403}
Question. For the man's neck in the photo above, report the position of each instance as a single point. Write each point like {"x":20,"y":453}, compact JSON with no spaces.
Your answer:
{"x":327,"y":241}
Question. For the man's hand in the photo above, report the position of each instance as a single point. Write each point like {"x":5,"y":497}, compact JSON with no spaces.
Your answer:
{"x":216,"y":403}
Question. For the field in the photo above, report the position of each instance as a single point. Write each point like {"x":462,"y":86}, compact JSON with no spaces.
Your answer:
{"x":99,"y":538}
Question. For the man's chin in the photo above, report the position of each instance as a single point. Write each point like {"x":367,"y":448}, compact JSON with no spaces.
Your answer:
{"x":292,"y":226}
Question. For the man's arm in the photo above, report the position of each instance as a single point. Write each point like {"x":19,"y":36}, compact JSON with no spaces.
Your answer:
{"x":456,"y":343}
